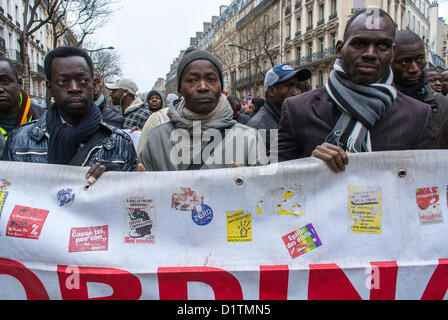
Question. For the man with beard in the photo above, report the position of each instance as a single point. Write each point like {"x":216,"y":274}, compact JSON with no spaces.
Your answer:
{"x":409,"y":76}
{"x":359,"y":110}
{"x":201,"y":132}
{"x":134,"y":110}
{"x":72,"y":132}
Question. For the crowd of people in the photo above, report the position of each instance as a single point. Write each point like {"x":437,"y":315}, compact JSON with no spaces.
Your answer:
{"x":380,"y":96}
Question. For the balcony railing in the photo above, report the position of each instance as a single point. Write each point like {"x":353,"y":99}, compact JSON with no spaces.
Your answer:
{"x":288,"y":11}
{"x":309,"y":28}
{"x":333,"y":16}
{"x":298,"y":4}
{"x":14,"y":55}
{"x":316,"y":57}
{"x":320,"y":22}
{"x":298,"y":33}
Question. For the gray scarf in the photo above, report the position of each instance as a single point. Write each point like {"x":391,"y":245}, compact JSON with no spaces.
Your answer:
{"x":219,"y":118}
{"x":361,"y":106}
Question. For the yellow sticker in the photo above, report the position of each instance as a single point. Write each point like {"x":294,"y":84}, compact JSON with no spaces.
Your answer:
{"x":283,"y":201}
{"x":239,"y":226}
{"x":364,"y":210}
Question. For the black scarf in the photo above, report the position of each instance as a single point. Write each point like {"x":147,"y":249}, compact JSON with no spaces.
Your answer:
{"x":64,"y":139}
{"x":417,"y":91}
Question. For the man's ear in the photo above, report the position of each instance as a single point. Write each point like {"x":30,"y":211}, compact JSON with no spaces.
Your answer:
{"x":270,"y":92}
{"x":49,"y":88}
{"x":339,"y":46}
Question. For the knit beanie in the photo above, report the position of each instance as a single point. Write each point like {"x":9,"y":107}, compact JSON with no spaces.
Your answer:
{"x":193,"y":54}
{"x":153,"y":93}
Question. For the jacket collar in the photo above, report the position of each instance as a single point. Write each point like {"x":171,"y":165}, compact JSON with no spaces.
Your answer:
{"x":272,"y":110}
{"x":39,"y":129}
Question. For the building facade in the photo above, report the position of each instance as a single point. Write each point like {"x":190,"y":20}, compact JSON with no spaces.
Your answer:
{"x":251,"y":36}
{"x":40,"y":43}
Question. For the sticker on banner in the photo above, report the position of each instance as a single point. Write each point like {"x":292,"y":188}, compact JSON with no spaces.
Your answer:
{"x":302,"y":241}
{"x":187,"y":200}
{"x":239,"y":226}
{"x":89,"y":239}
{"x":428,"y":203}
{"x":4,"y":184}
{"x":66,"y":197}
{"x":283,"y":201}
{"x":140,"y":220}
{"x":364,"y":209}
{"x":26,"y":222}
{"x":202,"y":215}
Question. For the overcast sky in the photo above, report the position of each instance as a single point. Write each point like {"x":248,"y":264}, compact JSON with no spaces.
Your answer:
{"x":149,"y":34}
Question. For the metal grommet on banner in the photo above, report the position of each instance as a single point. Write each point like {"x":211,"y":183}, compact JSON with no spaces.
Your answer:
{"x":239,"y":181}
{"x":87,"y":187}
{"x":402,"y":173}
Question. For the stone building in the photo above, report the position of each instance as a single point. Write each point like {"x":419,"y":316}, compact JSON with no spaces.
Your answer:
{"x":41,"y":42}
{"x":251,"y":36}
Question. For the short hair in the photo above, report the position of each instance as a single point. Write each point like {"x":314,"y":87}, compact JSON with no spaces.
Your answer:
{"x":65,"y":52}
{"x":11,"y":66}
{"x":234,"y":99}
{"x":367,"y":11}
{"x":407,"y":37}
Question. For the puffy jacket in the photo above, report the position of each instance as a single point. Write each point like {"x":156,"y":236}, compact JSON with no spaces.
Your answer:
{"x":29,"y":143}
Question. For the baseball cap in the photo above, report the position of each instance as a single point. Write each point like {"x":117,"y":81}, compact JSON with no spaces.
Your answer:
{"x":125,"y":84}
{"x":284,"y":72}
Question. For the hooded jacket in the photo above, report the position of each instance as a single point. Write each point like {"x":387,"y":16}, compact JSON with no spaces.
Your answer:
{"x":183,"y":144}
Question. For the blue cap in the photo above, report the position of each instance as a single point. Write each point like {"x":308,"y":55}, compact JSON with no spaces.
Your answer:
{"x":284,"y":72}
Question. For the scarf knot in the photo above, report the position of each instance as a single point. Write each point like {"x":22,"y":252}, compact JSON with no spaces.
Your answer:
{"x":361,"y":106}
{"x":65,"y":140}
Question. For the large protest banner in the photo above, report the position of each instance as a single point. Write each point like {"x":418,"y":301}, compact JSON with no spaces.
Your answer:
{"x":289,"y":231}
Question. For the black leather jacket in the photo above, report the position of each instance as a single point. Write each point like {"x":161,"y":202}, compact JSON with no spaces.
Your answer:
{"x":110,"y":116}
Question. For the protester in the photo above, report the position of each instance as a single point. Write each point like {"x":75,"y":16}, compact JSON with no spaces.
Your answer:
{"x":257,"y":104}
{"x":124,"y":94}
{"x":444,"y":75}
{"x":434,"y":79}
{"x":359,"y":110}
{"x":72,"y":131}
{"x":203,"y":109}
{"x":408,"y":67}
{"x":155,"y":101}
{"x":281,"y":82}
{"x":110,"y":116}
{"x":155,"y":120}
{"x":235,"y":103}
{"x":171,"y":99}
{"x":16,"y":108}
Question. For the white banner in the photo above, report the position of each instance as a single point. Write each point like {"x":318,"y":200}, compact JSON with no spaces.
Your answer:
{"x":289,"y":231}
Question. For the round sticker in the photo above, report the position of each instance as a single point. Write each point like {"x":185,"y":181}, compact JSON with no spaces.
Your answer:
{"x":202,"y":215}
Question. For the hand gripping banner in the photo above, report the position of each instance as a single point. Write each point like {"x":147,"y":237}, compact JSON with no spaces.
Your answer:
{"x":292,"y":231}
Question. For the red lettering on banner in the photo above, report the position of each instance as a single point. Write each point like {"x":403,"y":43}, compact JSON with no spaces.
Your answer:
{"x":125,"y":285}
{"x":173,"y":283}
{"x":329,"y":282}
{"x":274,"y":282}
{"x":438,"y":284}
{"x":386,"y":273}
{"x":34,"y":288}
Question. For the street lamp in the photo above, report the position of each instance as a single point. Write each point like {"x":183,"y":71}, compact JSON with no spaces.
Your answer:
{"x":233,"y":45}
